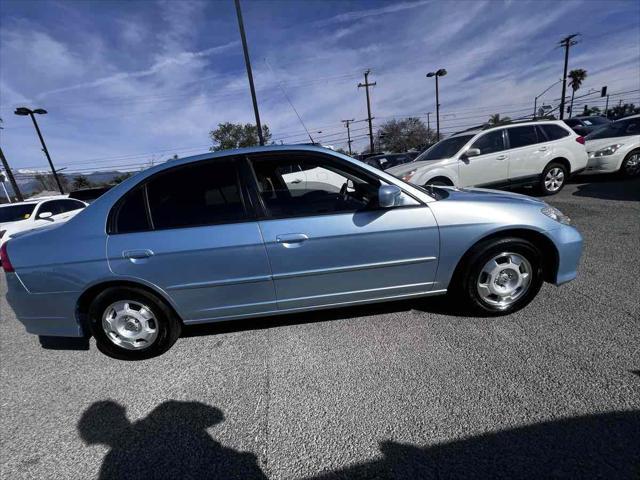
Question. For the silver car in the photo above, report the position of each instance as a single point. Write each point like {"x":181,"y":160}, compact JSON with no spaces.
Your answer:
{"x":272,"y":230}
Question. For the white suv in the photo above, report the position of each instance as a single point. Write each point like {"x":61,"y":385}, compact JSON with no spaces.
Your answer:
{"x":541,"y":153}
{"x":615,"y":148}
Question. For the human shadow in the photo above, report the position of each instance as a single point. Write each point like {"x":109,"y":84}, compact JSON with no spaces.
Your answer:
{"x":587,"y":447}
{"x":171,"y":442}
{"x":609,"y":187}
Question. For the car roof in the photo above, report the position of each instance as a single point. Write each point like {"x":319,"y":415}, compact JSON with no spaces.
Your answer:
{"x":515,"y":123}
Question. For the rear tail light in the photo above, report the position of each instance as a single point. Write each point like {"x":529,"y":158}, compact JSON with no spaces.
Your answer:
{"x":580,"y":140}
{"x":4,"y":258}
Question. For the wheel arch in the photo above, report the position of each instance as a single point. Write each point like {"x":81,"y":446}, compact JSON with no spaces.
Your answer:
{"x":441,"y":178}
{"x":550,"y":255}
{"x":561,"y":160}
{"x":88,"y":295}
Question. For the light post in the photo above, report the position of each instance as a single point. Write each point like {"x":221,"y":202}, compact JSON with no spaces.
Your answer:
{"x":438,"y":73}
{"x":24,"y":111}
{"x":535,"y":101}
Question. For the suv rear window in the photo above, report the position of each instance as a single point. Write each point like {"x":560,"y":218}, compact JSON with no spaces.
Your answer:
{"x":553,"y":132}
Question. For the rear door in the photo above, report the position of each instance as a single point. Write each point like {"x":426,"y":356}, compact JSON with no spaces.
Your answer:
{"x":330,"y":245}
{"x":528,"y":153}
{"x":491,"y":166}
{"x":190,"y":231}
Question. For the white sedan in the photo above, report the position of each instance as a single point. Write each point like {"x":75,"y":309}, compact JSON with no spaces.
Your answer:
{"x":23,"y":216}
{"x":615,"y":148}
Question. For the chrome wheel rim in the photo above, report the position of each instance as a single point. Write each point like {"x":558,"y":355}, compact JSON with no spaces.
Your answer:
{"x":632,"y":166}
{"x":554,"y":179}
{"x":130,"y":325}
{"x":504,"y":279}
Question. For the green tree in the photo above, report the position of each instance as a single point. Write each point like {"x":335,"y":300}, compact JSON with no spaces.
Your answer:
{"x":122,"y":177}
{"x":576,"y":76}
{"x":235,"y":135}
{"x":404,"y":135}
{"x":495,"y":119}
{"x":81,"y":181}
{"x":591,"y":110}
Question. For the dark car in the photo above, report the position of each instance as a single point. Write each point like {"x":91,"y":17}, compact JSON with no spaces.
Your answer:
{"x":587,"y":124}
{"x":388,"y":160}
{"x":88,"y":195}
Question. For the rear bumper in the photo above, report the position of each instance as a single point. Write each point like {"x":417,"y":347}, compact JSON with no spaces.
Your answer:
{"x":47,"y":314}
{"x":569,"y":242}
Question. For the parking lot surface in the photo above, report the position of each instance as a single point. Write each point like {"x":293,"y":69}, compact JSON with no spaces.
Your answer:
{"x":398,"y":390}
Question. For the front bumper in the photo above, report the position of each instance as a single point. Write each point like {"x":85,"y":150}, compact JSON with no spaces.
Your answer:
{"x":48,"y":314}
{"x":569,"y":242}
{"x":608,"y":163}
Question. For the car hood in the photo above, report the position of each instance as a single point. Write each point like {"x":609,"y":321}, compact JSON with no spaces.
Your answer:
{"x":400,"y":170}
{"x":486,"y":195}
{"x":597,"y":144}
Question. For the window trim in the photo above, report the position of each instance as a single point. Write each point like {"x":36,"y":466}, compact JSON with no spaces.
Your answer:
{"x":111,"y":227}
{"x":265,"y":214}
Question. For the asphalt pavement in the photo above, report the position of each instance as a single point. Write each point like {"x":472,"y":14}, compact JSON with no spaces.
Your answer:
{"x":398,"y":390}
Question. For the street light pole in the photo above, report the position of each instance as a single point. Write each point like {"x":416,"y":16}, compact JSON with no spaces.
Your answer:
{"x":23,"y":111}
{"x":438,"y":73}
{"x":535,"y":100}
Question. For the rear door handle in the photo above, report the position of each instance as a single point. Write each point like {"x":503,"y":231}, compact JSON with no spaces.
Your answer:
{"x":297,"y":180}
{"x":137,"y":254}
{"x":290,"y":240}
{"x":501,"y":157}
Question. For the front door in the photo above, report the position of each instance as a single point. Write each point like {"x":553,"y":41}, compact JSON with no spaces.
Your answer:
{"x":197,"y":241}
{"x":331,"y":245}
{"x":488,"y":168}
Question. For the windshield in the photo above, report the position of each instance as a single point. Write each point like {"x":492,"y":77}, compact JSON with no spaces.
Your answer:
{"x":445,"y":148}
{"x":596,"y":121}
{"x":615,"y":129}
{"x":14,"y":213}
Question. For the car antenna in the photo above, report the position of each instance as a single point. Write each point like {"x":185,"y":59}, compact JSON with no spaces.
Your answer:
{"x":289,"y":100}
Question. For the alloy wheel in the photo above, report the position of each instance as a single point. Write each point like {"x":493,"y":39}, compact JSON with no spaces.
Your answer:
{"x":554,"y":179}
{"x":504,"y":279}
{"x":130,"y":324}
{"x":632,"y":165}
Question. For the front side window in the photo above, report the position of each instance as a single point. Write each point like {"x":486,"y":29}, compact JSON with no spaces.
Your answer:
{"x":522,"y":136}
{"x":195,"y":195}
{"x":445,"y":148}
{"x":15,"y":213}
{"x":490,"y":142}
{"x":553,"y":132}
{"x":298,"y":185}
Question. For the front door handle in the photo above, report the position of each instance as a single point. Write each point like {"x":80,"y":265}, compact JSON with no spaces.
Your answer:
{"x":297,"y":180}
{"x":543,"y":149}
{"x":501,"y":157}
{"x":137,"y":254}
{"x":291,"y":240}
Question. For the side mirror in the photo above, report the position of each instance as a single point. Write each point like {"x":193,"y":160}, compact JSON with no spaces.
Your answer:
{"x":45,"y":216}
{"x":387,"y":195}
{"x":472,"y":152}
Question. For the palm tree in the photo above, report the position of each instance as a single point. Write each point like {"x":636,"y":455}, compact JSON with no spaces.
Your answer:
{"x":496,"y":120}
{"x":577,"y":76}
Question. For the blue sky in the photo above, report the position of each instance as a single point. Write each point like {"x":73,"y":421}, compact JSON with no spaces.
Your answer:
{"x":128,"y":83}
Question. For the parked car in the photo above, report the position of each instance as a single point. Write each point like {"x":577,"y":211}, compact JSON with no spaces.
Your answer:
{"x":89,"y":194}
{"x":586,"y":124}
{"x":226,"y":235}
{"x":540,"y":153}
{"x":385,"y":161}
{"x":615,"y":148}
{"x":24,"y":216}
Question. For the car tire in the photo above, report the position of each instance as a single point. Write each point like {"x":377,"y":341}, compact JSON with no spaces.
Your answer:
{"x":479,"y":287}
{"x":553,"y":178}
{"x":630,"y":166}
{"x":132,"y":324}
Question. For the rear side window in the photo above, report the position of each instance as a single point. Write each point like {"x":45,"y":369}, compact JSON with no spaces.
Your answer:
{"x":131,"y":215}
{"x":522,"y":136}
{"x":490,"y":142}
{"x":201,"y":194}
{"x":554,"y":132}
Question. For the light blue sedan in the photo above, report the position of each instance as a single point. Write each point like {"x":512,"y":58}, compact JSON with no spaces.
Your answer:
{"x":271,"y":230}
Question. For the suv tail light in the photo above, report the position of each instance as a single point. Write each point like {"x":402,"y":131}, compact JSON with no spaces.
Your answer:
{"x":580,"y":139}
{"x":4,"y":258}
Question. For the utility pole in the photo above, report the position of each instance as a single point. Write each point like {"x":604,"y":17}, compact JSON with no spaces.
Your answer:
{"x":428,"y":121}
{"x":10,"y":176}
{"x":606,"y":107}
{"x":567,"y":42}
{"x":247,"y":63}
{"x":366,"y":85}
{"x":347,"y":123}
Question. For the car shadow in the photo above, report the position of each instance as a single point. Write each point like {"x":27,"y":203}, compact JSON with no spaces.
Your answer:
{"x":437,"y":305}
{"x":608,"y":187}
{"x":171,"y":442}
{"x":586,"y":447}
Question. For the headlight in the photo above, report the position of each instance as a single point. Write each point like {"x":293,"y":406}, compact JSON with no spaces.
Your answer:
{"x":407,"y":176}
{"x":603,"y":152}
{"x":556,"y":214}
